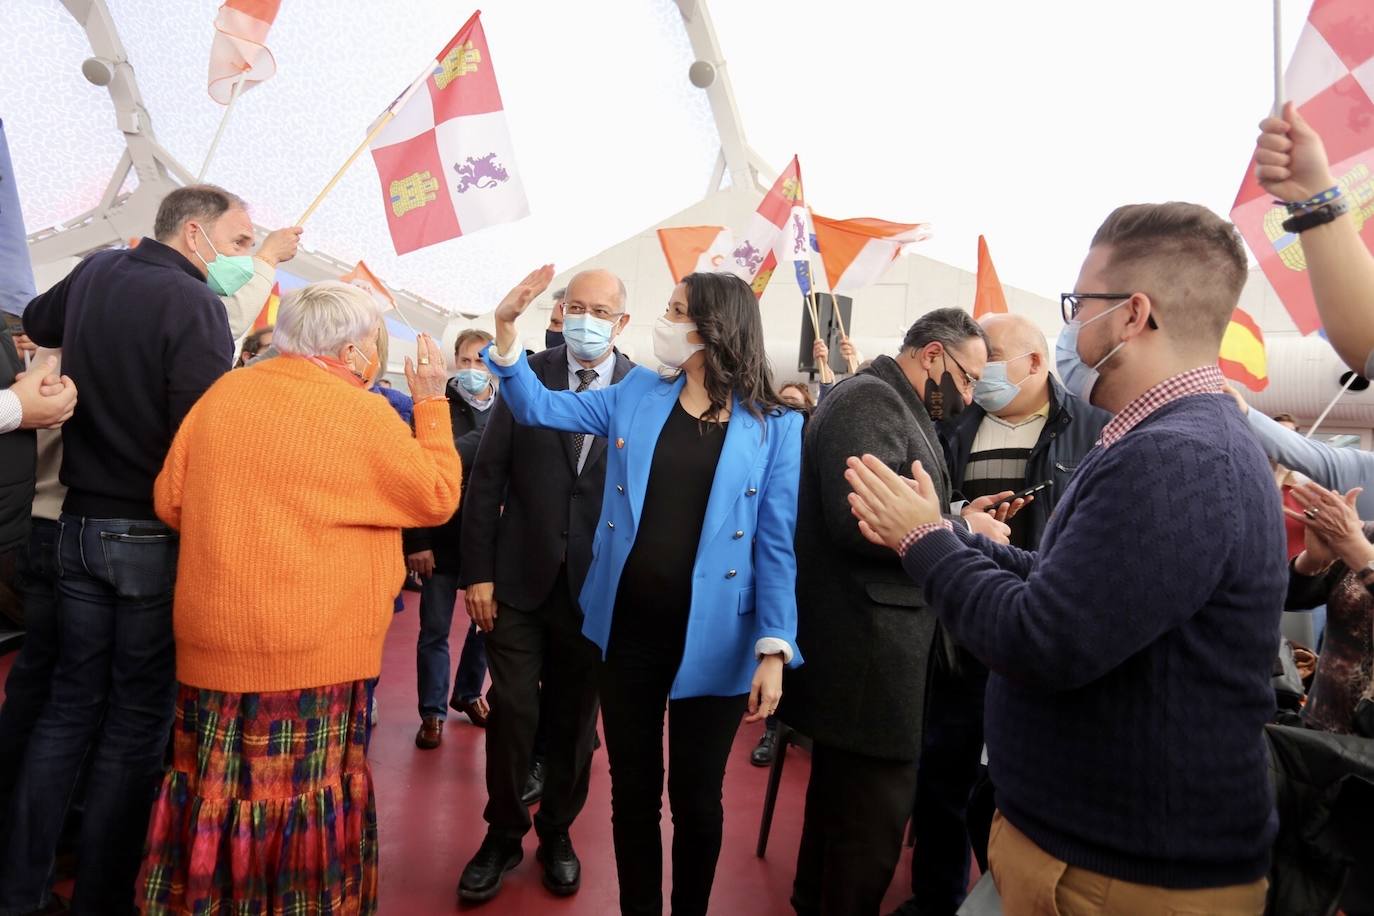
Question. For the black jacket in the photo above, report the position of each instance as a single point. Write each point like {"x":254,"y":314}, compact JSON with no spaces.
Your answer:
{"x":143,"y":338}
{"x":550,"y":511}
{"x":445,"y":540}
{"x":18,"y":460}
{"x":866,"y":628}
{"x":1069,"y":433}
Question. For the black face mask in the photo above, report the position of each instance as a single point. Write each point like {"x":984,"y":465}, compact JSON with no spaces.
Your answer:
{"x":552,"y":339}
{"x":945,"y":401}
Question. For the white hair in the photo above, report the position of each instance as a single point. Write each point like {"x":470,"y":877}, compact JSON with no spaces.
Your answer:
{"x":322,"y":318}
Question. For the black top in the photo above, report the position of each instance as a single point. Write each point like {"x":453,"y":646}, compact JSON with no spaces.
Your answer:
{"x":143,"y":337}
{"x":18,"y":459}
{"x":655,"y":591}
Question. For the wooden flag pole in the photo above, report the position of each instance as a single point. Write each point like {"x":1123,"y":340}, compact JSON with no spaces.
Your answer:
{"x":372,"y":135}
{"x":214,"y":144}
{"x":1332,"y":405}
{"x":1278,"y":59}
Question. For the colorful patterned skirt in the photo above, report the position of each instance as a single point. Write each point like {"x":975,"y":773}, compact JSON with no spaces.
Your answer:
{"x":267,"y":807}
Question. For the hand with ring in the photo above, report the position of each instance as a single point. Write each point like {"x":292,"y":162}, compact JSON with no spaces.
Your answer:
{"x":427,"y":379}
{"x":1333,"y":522}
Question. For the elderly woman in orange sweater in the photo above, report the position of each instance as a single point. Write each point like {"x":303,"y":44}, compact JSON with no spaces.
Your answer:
{"x":268,"y":804}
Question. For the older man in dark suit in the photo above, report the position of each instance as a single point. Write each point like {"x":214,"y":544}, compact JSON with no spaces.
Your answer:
{"x":868,"y":633}
{"x":524,"y":567}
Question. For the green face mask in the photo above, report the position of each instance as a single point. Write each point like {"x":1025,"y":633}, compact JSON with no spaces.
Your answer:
{"x":226,"y":274}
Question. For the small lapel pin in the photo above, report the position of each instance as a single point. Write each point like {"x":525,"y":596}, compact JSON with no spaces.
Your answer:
{"x":620,"y":443}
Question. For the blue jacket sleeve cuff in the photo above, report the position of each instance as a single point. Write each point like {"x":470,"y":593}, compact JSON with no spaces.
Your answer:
{"x":925,"y":555}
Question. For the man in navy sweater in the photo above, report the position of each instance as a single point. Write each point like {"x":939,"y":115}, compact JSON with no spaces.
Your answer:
{"x":143,"y":336}
{"x":1131,"y":654}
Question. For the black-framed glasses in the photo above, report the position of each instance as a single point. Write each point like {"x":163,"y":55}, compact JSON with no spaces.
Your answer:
{"x":577,"y":308}
{"x":969,"y":379}
{"x":1070,"y":304}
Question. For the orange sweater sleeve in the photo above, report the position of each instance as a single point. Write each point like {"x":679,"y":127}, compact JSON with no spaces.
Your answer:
{"x":421,"y":476}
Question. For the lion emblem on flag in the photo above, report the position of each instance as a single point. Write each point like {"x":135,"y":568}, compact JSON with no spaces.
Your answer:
{"x":485,"y":172}
{"x":748,"y":257}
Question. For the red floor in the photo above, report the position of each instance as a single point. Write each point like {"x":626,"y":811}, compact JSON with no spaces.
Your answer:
{"x":430,"y":813}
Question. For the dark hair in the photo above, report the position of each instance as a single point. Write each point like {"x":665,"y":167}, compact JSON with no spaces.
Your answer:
{"x":726,"y":313}
{"x":1185,"y":254}
{"x":1285,"y":418}
{"x":807,"y":399}
{"x":203,"y":203}
{"x":252,"y":344}
{"x":949,"y":327}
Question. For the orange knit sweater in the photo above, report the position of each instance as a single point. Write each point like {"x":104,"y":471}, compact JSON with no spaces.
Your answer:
{"x":289,"y":487}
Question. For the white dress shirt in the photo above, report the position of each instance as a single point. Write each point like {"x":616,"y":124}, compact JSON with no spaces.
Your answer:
{"x":604,"y":371}
{"x":11,"y":411}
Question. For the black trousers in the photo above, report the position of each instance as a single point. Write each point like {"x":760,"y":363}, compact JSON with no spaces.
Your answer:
{"x":635,"y":682}
{"x":951,"y":754}
{"x":856,"y":810}
{"x":525,"y":649}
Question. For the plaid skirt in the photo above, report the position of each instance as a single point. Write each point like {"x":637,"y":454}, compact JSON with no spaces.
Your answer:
{"x":267,"y":807}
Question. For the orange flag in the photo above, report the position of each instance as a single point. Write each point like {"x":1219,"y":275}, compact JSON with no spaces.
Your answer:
{"x":988,"y":297}
{"x":268,"y":316}
{"x":364,"y":278}
{"x":1242,"y":356}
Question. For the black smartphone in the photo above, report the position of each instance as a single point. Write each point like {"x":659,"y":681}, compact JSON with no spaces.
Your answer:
{"x":1031,"y":491}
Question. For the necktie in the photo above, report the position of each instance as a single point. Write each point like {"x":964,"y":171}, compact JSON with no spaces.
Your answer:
{"x":585,"y":377}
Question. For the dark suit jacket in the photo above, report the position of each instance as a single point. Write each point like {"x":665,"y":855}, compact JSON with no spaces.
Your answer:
{"x":446,"y":539}
{"x":867,"y":630}
{"x":18,"y":461}
{"x":550,"y":511}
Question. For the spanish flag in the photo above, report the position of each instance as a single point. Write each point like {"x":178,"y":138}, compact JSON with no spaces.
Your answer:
{"x":1242,"y":356}
{"x":268,"y":316}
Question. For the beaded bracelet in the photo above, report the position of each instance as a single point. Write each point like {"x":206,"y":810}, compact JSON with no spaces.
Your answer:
{"x":1311,"y":219}
{"x":1325,"y":197}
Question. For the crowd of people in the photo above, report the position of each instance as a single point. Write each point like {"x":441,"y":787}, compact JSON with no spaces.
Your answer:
{"x":1028,"y":601}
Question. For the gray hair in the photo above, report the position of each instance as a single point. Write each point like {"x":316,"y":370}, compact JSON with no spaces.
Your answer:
{"x":322,"y":318}
{"x":203,"y":203}
{"x":949,"y":327}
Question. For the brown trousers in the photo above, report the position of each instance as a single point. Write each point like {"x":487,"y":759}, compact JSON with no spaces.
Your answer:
{"x":1032,"y":882}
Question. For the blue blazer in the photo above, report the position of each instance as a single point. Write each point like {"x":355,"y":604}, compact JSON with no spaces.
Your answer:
{"x":745,"y":575}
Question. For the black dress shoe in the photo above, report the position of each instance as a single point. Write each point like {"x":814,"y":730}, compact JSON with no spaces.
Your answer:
{"x":481,"y":878}
{"x":762,"y":755}
{"x":562,"y":870}
{"x":534,"y":784}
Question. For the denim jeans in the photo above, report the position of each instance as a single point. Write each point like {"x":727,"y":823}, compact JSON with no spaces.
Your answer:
{"x":26,"y":688}
{"x":111,"y":705}
{"x":437,"y":599}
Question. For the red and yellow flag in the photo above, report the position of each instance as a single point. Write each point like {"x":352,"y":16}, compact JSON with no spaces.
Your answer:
{"x":1242,"y":353}
{"x":268,"y":316}
{"x":988,"y":297}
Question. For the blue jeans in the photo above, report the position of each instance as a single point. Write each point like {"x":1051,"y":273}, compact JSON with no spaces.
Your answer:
{"x":437,"y":599}
{"x":26,"y":688}
{"x":113,"y":691}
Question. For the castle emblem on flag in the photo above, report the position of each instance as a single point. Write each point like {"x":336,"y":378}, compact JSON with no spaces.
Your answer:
{"x":485,"y":172}
{"x":412,"y":192}
{"x":461,"y":61}
{"x":792,"y":189}
{"x":747,"y":257}
{"x":1358,"y":188}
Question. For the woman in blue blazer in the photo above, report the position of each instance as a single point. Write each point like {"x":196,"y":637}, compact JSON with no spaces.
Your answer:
{"x":691,"y":591}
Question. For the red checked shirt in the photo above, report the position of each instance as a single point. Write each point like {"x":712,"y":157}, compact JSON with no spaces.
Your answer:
{"x":1202,"y":380}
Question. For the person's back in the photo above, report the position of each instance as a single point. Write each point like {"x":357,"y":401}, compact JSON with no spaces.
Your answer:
{"x":1159,"y":768}
{"x":143,"y":337}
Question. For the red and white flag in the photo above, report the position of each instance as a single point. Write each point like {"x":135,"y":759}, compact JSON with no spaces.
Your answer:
{"x":239,"y":48}
{"x":697,"y":249}
{"x":856,"y":252}
{"x":363,"y":278}
{"x":756,"y":257}
{"x":445,"y":161}
{"x":1331,"y":80}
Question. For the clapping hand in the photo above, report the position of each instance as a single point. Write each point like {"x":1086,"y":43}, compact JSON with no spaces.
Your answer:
{"x":1333,"y":519}
{"x":46,"y":399}
{"x":887,"y":505}
{"x":427,"y":379}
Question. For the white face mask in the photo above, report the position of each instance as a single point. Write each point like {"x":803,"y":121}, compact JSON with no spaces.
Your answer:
{"x":671,"y":346}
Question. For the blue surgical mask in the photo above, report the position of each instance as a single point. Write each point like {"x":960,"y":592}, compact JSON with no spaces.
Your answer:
{"x":994,"y":390}
{"x":1078,"y":377}
{"x":473,"y":381}
{"x":226,"y":274}
{"x":588,"y":337}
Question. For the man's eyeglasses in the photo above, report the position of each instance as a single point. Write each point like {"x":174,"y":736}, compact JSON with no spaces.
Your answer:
{"x":1070,"y":304}
{"x":600,"y":312}
{"x":970,"y":380}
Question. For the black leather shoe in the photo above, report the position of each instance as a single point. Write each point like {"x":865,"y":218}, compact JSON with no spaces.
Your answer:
{"x":562,"y":870}
{"x":481,"y":878}
{"x":534,"y":784}
{"x":762,"y":755}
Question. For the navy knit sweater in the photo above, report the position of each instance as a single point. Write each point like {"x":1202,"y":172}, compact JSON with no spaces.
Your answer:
{"x":1131,"y":655}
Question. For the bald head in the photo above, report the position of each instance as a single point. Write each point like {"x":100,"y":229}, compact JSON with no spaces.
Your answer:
{"x":1010,"y":335}
{"x":597,"y":289}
